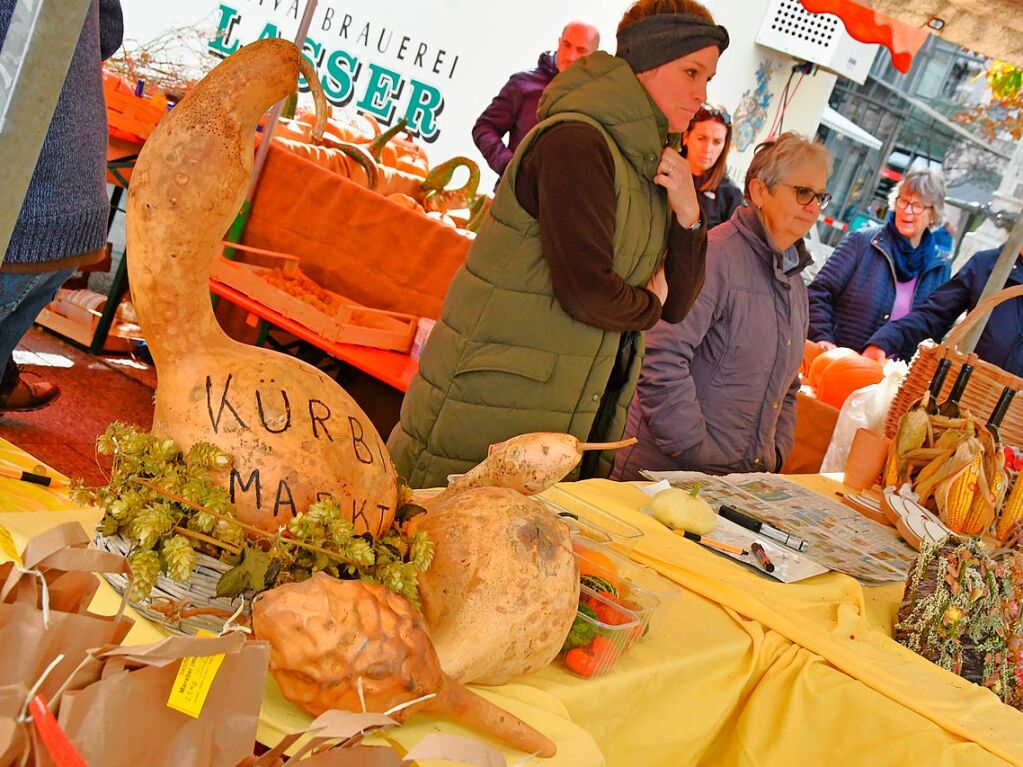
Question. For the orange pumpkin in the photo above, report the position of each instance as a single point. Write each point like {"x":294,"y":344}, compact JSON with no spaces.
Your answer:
{"x":811,"y":351}
{"x":844,"y":376}
{"x":824,"y":360}
{"x":406,"y":201}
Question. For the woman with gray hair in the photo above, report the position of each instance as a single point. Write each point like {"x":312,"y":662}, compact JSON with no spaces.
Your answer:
{"x":882,"y":273}
{"x":717,"y":391}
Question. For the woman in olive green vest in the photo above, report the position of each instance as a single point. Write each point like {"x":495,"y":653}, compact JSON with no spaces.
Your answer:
{"x":594,"y":235}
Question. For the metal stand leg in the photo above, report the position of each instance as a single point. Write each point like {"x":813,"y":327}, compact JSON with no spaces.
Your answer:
{"x":117,"y":291}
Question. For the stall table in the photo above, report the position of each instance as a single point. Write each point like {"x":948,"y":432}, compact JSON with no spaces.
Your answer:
{"x":743,"y":670}
{"x":393,"y":368}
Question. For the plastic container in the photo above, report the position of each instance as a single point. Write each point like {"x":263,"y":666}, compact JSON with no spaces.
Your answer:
{"x":651,"y":593}
{"x":623,"y":535}
{"x":581,"y":528}
{"x":593,"y":646}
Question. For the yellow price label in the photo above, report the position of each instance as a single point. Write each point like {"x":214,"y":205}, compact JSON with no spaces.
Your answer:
{"x":7,"y":546}
{"x":193,"y":683}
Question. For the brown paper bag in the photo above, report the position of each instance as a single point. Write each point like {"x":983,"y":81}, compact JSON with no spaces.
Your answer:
{"x":344,"y":727}
{"x":123,"y":719}
{"x":15,"y":737}
{"x":37,"y":624}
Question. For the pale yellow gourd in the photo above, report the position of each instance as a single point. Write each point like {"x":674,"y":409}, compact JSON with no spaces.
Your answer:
{"x":503,"y":588}
{"x":293,"y":432}
{"x":681,"y":510}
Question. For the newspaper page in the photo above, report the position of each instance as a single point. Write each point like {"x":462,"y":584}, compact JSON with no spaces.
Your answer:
{"x":839,"y":537}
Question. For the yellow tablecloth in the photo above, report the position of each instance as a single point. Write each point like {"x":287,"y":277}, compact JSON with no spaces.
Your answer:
{"x":744,"y":670}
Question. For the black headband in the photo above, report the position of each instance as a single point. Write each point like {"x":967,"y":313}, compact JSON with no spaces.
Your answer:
{"x":656,"y":40}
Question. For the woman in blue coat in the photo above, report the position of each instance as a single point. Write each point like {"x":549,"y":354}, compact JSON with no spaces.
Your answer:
{"x":1001,"y":343}
{"x":882,"y":273}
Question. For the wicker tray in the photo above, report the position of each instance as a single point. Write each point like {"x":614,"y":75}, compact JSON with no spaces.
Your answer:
{"x":200,"y":591}
{"x":985,"y":385}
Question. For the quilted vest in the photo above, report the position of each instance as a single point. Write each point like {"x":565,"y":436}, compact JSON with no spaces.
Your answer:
{"x":504,"y":358}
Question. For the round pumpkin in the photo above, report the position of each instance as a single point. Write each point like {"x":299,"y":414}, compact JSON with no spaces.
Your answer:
{"x":844,"y":376}
{"x":823,"y":360}
{"x":811,"y":351}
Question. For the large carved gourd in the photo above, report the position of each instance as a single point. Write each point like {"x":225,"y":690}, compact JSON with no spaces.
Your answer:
{"x":294,"y":433}
{"x":352,"y":645}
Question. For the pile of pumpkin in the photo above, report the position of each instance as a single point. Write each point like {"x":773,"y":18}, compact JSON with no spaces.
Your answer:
{"x":831,"y":376}
{"x":388,"y":162}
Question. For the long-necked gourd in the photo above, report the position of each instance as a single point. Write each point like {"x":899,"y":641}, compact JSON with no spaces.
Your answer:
{"x":295,"y":435}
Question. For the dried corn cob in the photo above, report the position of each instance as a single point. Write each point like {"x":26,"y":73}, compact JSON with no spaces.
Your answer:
{"x":1012,"y":511}
{"x":981,"y":514}
{"x":956,"y":504}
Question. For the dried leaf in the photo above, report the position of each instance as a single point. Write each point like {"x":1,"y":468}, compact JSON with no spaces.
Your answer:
{"x":250,"y":575}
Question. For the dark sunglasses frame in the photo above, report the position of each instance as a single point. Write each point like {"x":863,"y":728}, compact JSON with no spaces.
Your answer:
{"x":710,"y":112}
{"x":805,"y":195}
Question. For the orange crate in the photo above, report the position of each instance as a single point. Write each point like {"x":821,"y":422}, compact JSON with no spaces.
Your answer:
{"x":352,"y":324}
{"x":126,"y":112}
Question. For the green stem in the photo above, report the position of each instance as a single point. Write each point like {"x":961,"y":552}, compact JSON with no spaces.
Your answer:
{"x":249,"y":528}
{"x":376,"y":148}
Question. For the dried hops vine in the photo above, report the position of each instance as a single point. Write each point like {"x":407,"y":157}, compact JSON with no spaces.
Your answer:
{"x":961,"y":611}
{"x":167,"y":505}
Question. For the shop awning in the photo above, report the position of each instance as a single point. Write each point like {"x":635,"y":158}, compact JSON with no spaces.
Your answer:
{"x":848,"y":128}
{"x":991,"y":27}
{"x":869,"y":26}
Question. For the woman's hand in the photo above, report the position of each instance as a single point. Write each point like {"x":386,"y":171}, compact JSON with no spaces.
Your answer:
{"x":875,"y":353}
{"x":826,"y":346}
{"x":674,"y":175}
{"x":658,"y":285}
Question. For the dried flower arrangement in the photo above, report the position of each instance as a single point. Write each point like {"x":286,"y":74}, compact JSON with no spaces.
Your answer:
{"x":961,"y":610}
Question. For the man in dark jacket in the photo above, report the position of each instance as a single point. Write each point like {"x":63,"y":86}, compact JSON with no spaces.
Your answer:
{"x":63,"y":221}
{"x":1001,"y":343}
{"x":513,"y":111}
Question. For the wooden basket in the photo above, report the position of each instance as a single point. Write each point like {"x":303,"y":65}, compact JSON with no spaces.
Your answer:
{"x":985,"y":385}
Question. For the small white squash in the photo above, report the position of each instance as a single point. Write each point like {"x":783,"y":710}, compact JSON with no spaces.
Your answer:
{"x":681,"y":510}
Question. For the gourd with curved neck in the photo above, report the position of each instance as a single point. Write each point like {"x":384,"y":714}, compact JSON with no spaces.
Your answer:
{"x":295,"y":435}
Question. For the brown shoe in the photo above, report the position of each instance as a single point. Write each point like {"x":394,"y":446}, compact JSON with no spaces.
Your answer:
{"x":28,"y":395}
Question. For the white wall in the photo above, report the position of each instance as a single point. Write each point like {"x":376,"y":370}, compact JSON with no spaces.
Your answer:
{"x":483,"y":43}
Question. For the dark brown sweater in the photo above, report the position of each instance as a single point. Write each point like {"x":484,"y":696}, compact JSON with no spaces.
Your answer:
{"x":566,"y":182}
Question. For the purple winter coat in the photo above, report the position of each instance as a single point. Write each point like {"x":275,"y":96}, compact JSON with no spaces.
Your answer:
{"x":512,"y":112}
{"x":719,"y":388}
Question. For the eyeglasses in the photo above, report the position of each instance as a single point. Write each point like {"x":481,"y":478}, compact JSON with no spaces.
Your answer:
{"x":916,"y":208}
{"x":805,"y":195}
{"x":713,"y":112}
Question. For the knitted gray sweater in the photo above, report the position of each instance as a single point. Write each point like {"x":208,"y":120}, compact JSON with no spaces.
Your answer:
{"x":65,"y":210}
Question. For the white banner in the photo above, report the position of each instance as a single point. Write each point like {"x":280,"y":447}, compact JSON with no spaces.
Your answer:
{"x":440,"y":63}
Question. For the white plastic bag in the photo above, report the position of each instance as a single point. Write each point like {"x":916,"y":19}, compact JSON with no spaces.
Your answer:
{"x":865,"y":408}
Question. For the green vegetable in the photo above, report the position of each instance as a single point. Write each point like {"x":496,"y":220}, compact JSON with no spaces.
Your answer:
{"x":582,"y":631}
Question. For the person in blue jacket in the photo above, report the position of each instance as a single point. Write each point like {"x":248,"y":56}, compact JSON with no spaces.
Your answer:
{"x":882,"y":273}
{"x":1001,"y":343}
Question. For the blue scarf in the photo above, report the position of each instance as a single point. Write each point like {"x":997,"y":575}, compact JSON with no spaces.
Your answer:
{"x":909,"y":261}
